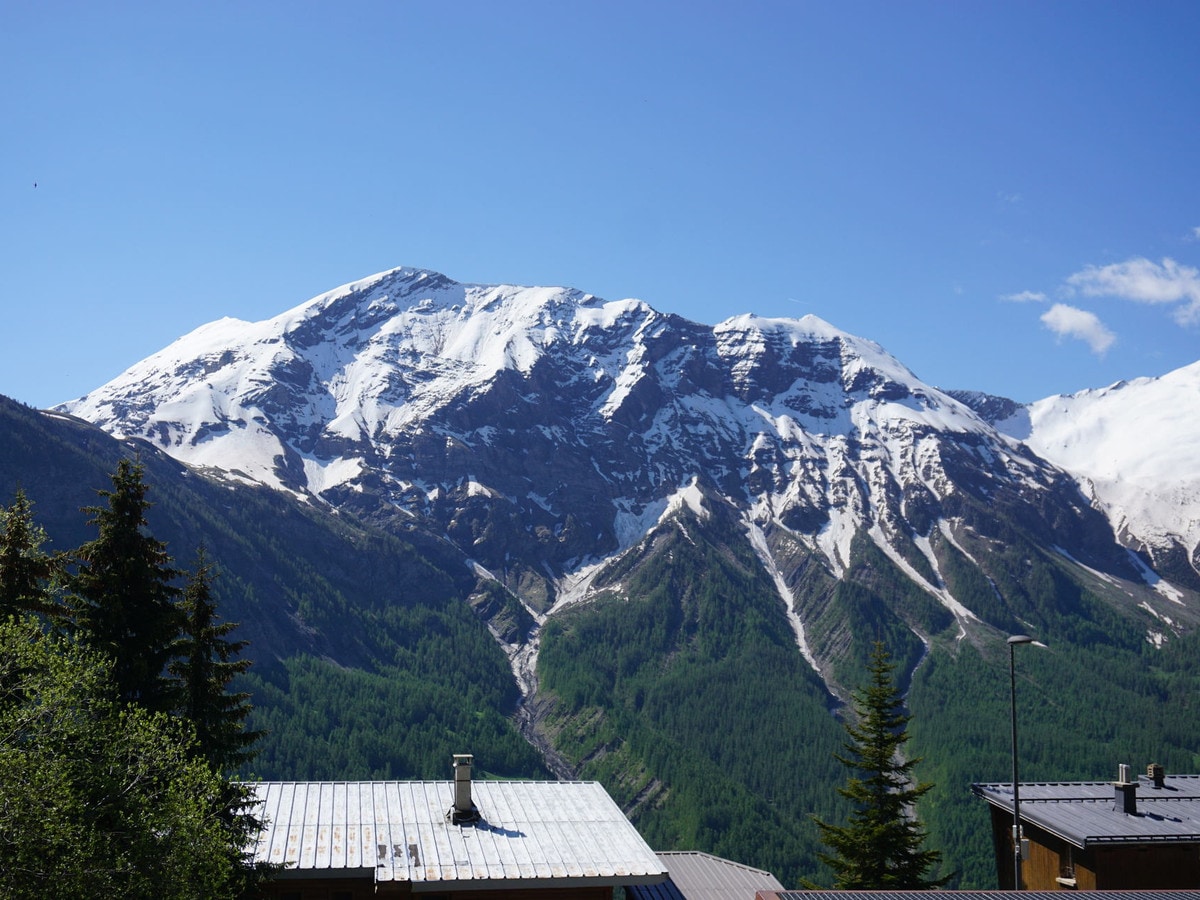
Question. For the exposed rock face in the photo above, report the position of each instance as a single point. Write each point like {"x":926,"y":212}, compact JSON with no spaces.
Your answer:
{"x":541,"y":430}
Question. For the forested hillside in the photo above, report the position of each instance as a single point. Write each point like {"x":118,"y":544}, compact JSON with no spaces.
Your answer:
{"x":367,"y":662}
{"x":690,"y":698}
{"x":679,"y":681}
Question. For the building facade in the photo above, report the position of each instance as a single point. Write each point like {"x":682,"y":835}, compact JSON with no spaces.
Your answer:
{"x":1138,"y":833}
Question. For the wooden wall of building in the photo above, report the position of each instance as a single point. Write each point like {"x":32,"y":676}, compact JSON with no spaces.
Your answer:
{"x":1148,"y":867}
{"x":1054,"y":864}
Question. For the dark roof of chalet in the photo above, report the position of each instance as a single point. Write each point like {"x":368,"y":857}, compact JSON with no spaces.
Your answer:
{"x":975,"y":895}
{"x":692,"y":875}
{"x":1086,"y":813}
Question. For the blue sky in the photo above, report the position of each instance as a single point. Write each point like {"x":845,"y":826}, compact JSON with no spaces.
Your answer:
{"x":1004,"y":195}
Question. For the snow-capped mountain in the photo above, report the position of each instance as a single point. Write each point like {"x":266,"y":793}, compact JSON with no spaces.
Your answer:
{"x":1135,"y":449}
{"x":544,"y":431}
{"x":687,"y":538}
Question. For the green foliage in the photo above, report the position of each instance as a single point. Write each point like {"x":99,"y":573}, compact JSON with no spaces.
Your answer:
{"x":688,"y":698}
{"x":27,"y":573}
{"x":881,"y":848}
{"x":124,"y":592}
{"x":328,"y":722}
{"x":101,"y":799}
{"x":438,"y":685}
{"x":88,"y":717}
{"x":205,"y":665}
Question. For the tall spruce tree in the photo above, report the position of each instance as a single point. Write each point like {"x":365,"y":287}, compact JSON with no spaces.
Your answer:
{"x":881,"y":846}
{"x":124,"y":593}
{"x":206,"y":664}
{"x":27,"y":572}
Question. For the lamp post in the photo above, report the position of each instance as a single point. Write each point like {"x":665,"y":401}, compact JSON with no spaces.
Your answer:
{"x":1016,"y":831}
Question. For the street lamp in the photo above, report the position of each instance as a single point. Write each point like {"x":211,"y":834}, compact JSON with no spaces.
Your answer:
{"x":1016,"y":831}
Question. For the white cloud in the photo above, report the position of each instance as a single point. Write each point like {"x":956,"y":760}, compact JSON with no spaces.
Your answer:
{"x":1025,"y":297}
{"x":1196,"y":233}
{"x":1069,"y":321}
{"x":1144,"y":281}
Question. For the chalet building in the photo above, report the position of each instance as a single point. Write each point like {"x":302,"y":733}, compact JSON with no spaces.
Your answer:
{"x":1134,"y":834}
{"x":459,"y":840}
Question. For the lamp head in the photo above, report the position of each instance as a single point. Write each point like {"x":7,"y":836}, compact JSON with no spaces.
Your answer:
{"x":1020,"y":639}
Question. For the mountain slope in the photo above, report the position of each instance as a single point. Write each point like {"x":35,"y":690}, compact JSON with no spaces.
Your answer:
{"x":348,"y":626}
{"x":542,"y":428}
{"x":1135,"y":449}
{"x":637,"y":505}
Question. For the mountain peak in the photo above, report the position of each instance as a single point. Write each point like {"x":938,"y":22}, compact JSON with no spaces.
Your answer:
{"x":572,"y":414}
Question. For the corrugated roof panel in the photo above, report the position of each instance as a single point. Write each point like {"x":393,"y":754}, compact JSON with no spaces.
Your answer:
{"x":983,"y":895}
{"x":352,"y":848}
{"x":377,"y":831}
{"x":511,"y":856}
{"x":701,"y":876}
{"x":323,"y":851}
{"x":525,"y":849}
{"x":433,"y":830}
{"x":527,"y":831}
{"x":529,"y":820}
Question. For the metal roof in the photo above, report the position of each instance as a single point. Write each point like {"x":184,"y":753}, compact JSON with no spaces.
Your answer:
{"x":529,"y":833}
{"x":977,"y":895}
{"x":701,"y":876}
{"x":1086,"y":813}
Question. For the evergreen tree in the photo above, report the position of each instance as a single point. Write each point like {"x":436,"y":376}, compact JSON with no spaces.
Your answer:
{"x":205,"y":666}
{"x":124,"y":596}
{"x":27,"y":573}
{"x":881,"y":847}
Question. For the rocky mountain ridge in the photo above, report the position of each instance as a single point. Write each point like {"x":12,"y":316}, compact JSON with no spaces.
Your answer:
{"x":545,"y":431}
{"x":687,"y":538}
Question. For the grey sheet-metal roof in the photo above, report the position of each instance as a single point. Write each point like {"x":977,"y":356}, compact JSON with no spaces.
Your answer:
{"x":1086,"y":813}
{"x":701,"y":876}
{"x":529,"y":833}
{"x":980,"y":895}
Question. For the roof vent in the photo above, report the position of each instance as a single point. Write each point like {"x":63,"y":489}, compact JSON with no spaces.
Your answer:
{"x":1126,"y":791}
{"x":464,"y":810}
{"x":1157,"y":774}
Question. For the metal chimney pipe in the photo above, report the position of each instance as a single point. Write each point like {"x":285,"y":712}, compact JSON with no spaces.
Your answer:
{"x":1126,"y":790}
{"x":464,"y":807}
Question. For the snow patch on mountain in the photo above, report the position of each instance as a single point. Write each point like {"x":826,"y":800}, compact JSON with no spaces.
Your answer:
{"x":758,"y":541}
{"x":1156,"y":581}
{"x":1135,"y":449}
{"x":321,"y":475}
{"x":938,"y":590}
{"x":575,"y":586}
{"x":688,"y":497}
{"x":632,"y":522}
